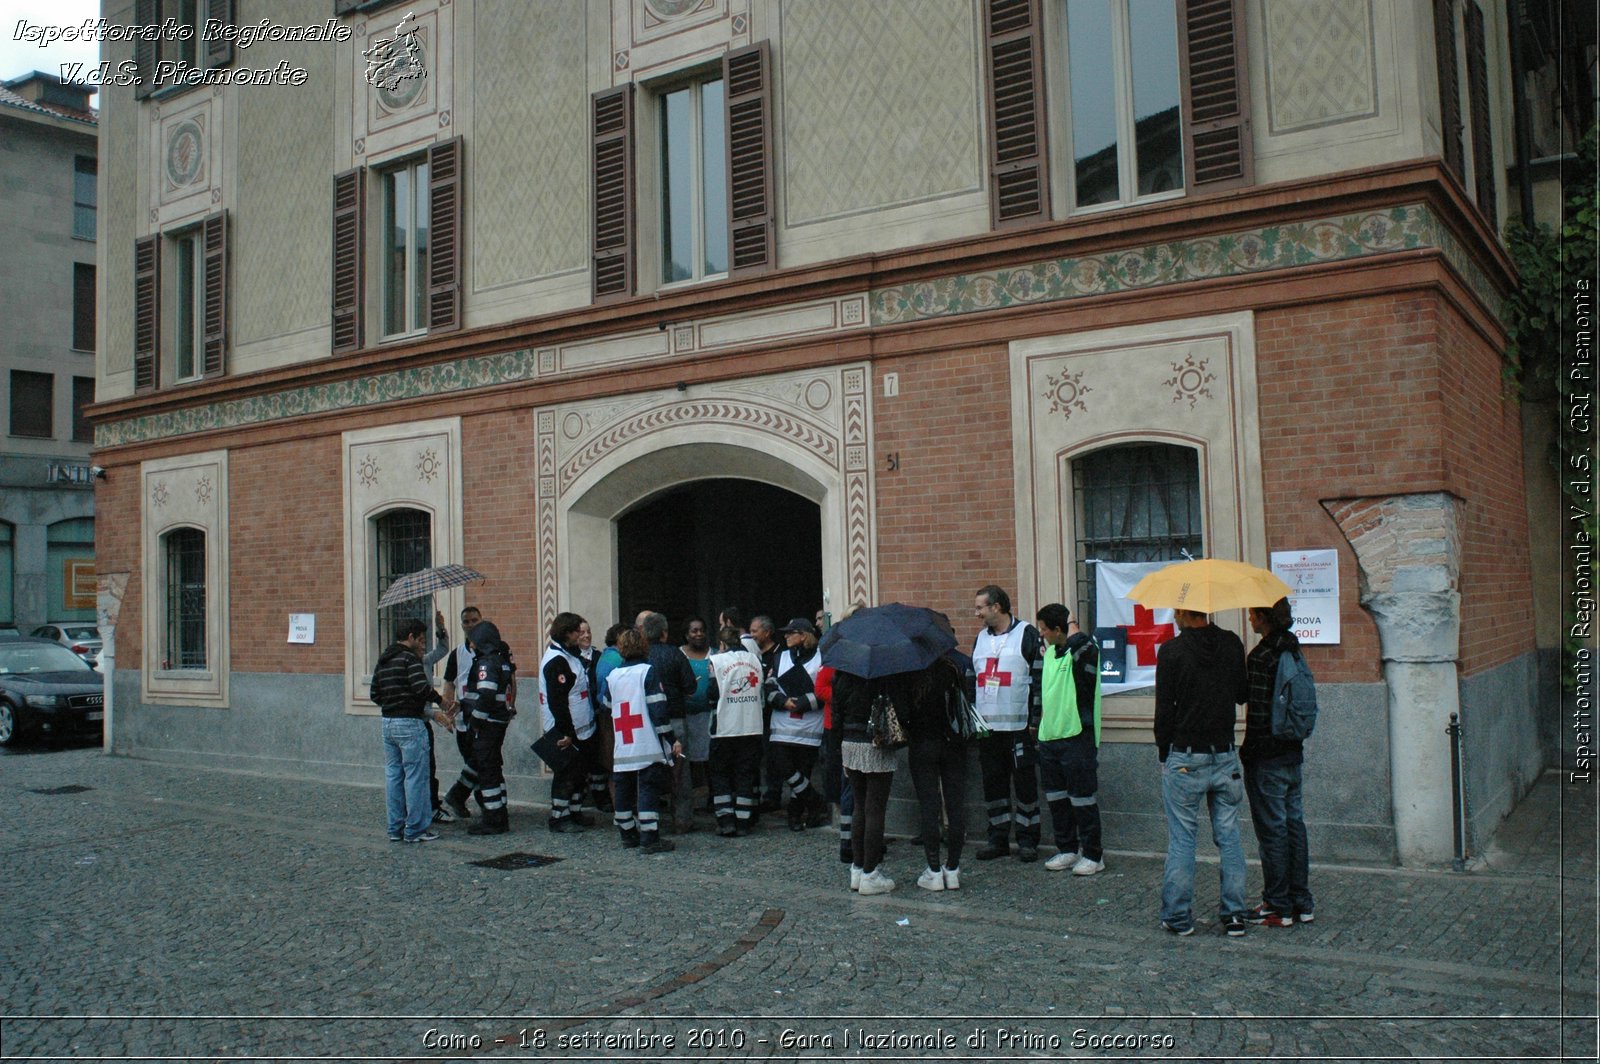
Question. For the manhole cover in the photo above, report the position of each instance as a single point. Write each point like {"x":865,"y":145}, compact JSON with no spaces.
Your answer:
{"x":507,"y":862}
{"x":71,"y":788}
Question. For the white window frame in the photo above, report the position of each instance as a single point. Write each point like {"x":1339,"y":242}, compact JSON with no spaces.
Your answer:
{"x":195,"y":276}
{"x":415,"y":284}
{"x":695,"y":82}
{"x":187,"y":491}
{"x":1065,"y":158}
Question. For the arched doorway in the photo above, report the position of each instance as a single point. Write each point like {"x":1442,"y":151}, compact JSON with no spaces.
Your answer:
{"x":698,"y":547}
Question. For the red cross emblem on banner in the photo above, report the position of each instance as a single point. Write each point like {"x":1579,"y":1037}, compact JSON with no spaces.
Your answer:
{"x":992,"y":676}
{"x":628,"y":722}
{"x":1146,"y":635}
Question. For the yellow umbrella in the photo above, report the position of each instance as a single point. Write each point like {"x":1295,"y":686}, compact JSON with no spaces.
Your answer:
{"x":1207,"y":586}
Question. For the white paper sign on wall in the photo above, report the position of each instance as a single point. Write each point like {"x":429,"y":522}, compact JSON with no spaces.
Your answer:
{"x":1313,"y":579}
{"x":302,"y":628}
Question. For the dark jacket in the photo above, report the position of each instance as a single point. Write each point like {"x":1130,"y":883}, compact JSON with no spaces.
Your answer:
{"x":852,"y":705}
{"x":676,"y":676}
{"x":928,"y":694}
{"x":400,"y":684}
{"x":1261,"y":747}
{"x":489,"y":686}
{"x":1200,"y":677}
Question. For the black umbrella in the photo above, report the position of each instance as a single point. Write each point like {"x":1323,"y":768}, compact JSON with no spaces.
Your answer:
{"x":883,"y":640}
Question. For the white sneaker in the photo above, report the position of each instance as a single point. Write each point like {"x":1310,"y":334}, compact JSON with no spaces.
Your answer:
{"x":855,"y":877}
{"x":1061,"y":862}
{"x":1087,"y":866}
{"x":931,"y":879}
{"x":875,"y":882}
{"x":952,"y":879}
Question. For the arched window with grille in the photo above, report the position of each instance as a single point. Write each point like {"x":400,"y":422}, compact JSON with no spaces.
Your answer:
{"x":183,"y":553}
{"x":1137,"y":502}
{"x":402,"y":542}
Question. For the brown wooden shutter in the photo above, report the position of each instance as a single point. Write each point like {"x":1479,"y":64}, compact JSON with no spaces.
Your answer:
{"x":1019,"y":179}
{"x":146,"y":313}
{"x":144,"y":51}
{"x":1444,"y":50}
{"x":445,"y":189}
{"x":1478,"y":101}
{"x":752,"y":223}
{"x":613,"y":193}
{"x":219,"y":50}
{"x":349,"y":278}
{"x":1217,"y":151}
{"x":214,"y":335}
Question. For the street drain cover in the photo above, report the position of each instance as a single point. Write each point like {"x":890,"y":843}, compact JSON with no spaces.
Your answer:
{"x":71,"y":788}
{"x":507,"y":862}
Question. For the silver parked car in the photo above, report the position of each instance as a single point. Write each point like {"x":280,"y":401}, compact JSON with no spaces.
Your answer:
{"x":82,"y":639}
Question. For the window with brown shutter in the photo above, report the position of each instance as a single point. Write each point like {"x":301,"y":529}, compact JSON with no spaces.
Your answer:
{"x":146,"y":313}
{"x":613,"y":159}
{"x":1018,"y":175}
{"x":144,"y":49}
{"x":1444,"y":50}
{"x":349,"y":201}
{"x":1211,"y":51}
{"x":219,"y":49}
{"x":444,"y":235}
{"x":214,"y":295}
{"x":1478,"y":102}
{"x":191,"y":50}
{"x":752,"y":223}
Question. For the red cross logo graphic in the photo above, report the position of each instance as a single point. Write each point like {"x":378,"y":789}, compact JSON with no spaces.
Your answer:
{"x":992,"y":676}
{"x":1146,"y":635}
{"x":797,"y":713}
{"x":628,"y":722}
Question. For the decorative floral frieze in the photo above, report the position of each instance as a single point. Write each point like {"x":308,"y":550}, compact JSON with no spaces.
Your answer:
{"x":1316,"y":242}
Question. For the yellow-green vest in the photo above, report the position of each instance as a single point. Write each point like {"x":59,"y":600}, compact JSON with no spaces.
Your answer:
{"x":1059,"y":698}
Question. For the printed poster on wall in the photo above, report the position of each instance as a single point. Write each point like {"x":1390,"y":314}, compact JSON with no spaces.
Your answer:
{"x":1313,"y":579}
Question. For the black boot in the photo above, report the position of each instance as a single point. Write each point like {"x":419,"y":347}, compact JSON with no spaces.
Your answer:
{"x":797,"y":814}
{"x":493,"y":822}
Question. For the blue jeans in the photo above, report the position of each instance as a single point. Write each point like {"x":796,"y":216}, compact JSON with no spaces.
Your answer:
{"x":1189,"y":781}
{"x":405,"y":772}
{"x":1275,"y":806}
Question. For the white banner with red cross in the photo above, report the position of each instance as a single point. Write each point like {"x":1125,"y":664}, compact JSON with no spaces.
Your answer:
{"x":1124,"y":627}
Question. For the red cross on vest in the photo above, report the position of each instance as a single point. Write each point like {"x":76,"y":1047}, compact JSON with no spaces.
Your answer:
{"x":628,"y":722}
{"x":992,"y":676}
{"x":797,"y":713}
{"x":1146,"y":635}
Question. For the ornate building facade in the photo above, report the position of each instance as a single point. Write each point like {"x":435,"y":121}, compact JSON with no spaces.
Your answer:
{"x":987,"y":290}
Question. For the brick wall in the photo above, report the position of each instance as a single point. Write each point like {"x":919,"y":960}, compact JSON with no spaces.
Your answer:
{"x":286,"y":540}
{"x":946,"y":517}
{"x":116,"y":550}
{"x":498,"y":479}
{"x":1388,"y":395}
{"x":1483,"y":453}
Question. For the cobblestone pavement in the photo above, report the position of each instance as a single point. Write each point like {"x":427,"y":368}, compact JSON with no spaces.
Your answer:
{"x":162,"y":911}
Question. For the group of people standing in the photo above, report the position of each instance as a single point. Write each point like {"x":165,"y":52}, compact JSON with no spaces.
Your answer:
{"x":631,"y":728}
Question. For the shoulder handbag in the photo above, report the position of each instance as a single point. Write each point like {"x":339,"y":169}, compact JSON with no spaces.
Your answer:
{"x":965,"y":723}
{"x":884,"y":726}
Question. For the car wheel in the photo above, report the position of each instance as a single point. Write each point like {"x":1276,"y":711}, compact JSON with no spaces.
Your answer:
{"x":8,"y":724}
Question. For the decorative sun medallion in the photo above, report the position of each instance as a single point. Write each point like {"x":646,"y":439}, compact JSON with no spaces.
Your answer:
{"x":368,"y":472}
{"x":158,"y":494}
{"x":428,"y":465}
{"x":671,"y":9}
{"x":185,"y":152}
{"x":202,"y":490}
{"x":1065,"y":392}
{"x":1190,"y":380}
